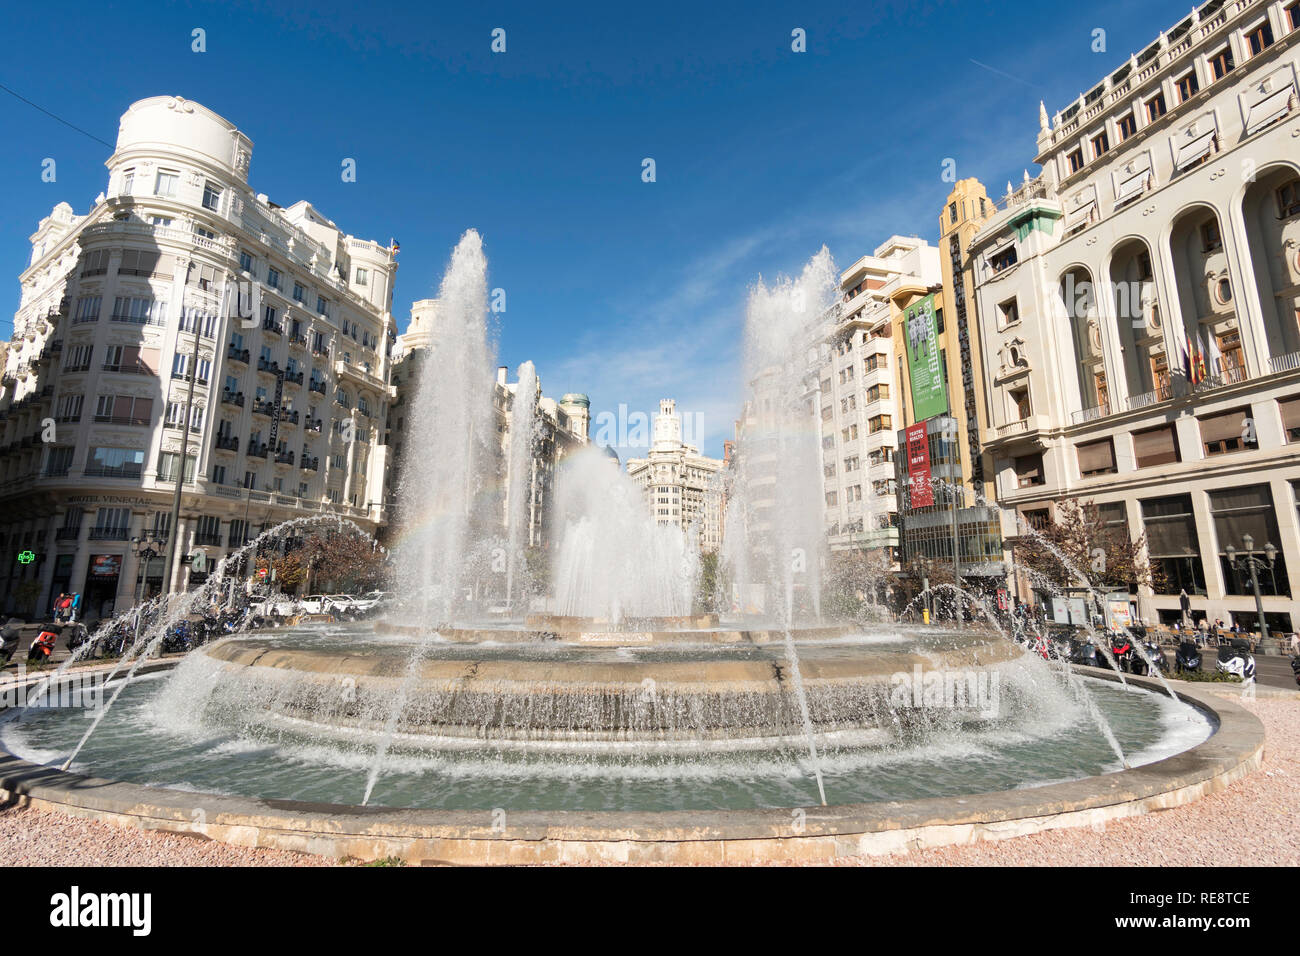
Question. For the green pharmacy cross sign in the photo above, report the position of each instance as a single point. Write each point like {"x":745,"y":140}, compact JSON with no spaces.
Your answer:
{"x":26,"y":557}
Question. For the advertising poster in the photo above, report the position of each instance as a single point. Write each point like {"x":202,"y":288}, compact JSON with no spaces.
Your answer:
{"x":919,"y":488}
{"x":929,"y":394}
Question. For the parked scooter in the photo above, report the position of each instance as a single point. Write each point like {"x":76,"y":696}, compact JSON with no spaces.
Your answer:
{"x":1084,"y":653}
{"x":1187,"y":659}
{"x":9,"y":636}
{"x":42,"y":649}
{"x":1139,"y":665}
{"x":1235,"y":658}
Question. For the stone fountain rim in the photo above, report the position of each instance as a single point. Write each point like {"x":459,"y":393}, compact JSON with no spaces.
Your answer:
{"x":810,"y":833}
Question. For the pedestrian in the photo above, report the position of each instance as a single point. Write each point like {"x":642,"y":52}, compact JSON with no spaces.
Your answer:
{"x":1295,"y":644}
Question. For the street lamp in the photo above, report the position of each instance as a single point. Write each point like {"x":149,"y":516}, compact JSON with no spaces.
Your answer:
{"x":146,"y":549}
{"x":1252,"y":560}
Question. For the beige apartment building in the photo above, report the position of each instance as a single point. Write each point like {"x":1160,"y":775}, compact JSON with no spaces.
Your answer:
{"x":1139,"y":309}
{"x":182,"y":287}
{"x":681,"y":485}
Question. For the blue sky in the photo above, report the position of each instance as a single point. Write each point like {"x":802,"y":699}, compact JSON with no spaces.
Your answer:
{"x":626,"y":290}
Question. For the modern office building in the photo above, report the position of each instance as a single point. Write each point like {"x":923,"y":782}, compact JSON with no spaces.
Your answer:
{"x":183,"y":288}
{"x":682,"y":486}
{"x":1139,"y":311}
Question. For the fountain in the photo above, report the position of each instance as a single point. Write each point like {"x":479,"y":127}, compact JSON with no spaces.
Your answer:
{"x":625,"y":715}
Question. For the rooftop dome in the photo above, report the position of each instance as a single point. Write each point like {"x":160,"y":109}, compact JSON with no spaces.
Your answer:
{"x":576,"y":398}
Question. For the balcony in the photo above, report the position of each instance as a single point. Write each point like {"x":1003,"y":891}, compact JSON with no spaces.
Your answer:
{"x":130,"y":368}
{"x":321,"y":351}
{"x":310,"y":464}
{"x":109,"y":534}
{"x":237,"y":355}
{"x":264,"y":408}
{"x":83,"y":367}
{"x":274,"y":327}
{"x":232,"y":398}
{"x":121,"y":420}
{"x":298,"y":341}
{"x":67,"y":534}
{"x":256,"y":450}
{"x":1284,"y":363}
{"x":1161,"y":393}
{"x":293,"y":378}
{"x":270,"y":368}
{"x":111,"y":471}
{"x":318,"y":387}
{"x":284,"y":458}
{"x":1090,"y":414}
{"x":227,"y":443}
{"x":289,"y":417}
{"x":314,"y":425}
{"x":208,"y":538}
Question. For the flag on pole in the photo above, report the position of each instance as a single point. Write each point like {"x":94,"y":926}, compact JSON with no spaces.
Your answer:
{"x":394,"y":247}
{"x":1188,"y":369}
{"x":1203,"y":356}
{"x":1216,"y":357}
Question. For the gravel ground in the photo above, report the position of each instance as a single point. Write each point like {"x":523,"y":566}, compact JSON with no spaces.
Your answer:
{"x":1264,"y":810}
{"x":43,"y":838}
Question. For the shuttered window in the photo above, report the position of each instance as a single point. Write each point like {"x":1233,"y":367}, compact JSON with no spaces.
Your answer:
{"x":1228,"y":432}
{"x":1029,"y":470}
{"x":1170,"y":527}
{"x":1097,"y":457}
{"x":1242,"y":512}
{"x":1156,"y":446}
{"x":1290,"y":408}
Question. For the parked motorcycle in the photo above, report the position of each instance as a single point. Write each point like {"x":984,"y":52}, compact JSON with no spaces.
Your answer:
{"x":42,"y":649}
{"x":1084,"y":653}
{"x":1295,"y":669}
{"x":1187,"y":659}
{"x":1121,"y":646}
{"x":1235,"y":658}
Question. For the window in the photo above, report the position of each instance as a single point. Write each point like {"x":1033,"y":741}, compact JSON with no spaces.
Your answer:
{"x":298,"y":292}
{"x":1008,"y":313}
{"x":211,"y":196}
{"x":1096,"y":457}
{"x":138,"y":310}
{"x":1156,"y":446}
{"x":1156,"y":107}
{"x":323,"y":305}
{"x":1004,"y":259}
{"x":1100,"y":144}
{"x":1221,"y":63}
{"x":219,"y":474}
{"x":1029,"y":471}
{"x":1127,"y":126}
{"x":362,"y":276}
{"x":1020,"y":404}
{"x":128,"y":181}
{"x":1293,"y":16}
{"x":273,"y":277}
{"x":139,"y":262}
{"x":1238,"y":512}
{"x":1290,"y":409}
{"x":110,"y":462}
{"x":1075,"y":160}
{"x":1228,"y":432}
{"x":165,"y":184}
{"x":1288,"y":199}
{"x":952,"y":212}
{"x":1259,"y":39}
{"x":1187,"y":86}
{"x":87,"y":309}
{"x":245,"y":261}
{"x":831,"y":499}
{"x":877,"y":423}
{"x":1172,"y":543}
{"x":1211,"y":241}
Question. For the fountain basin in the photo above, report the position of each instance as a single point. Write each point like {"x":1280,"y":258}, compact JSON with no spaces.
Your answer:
{"x":797,"y":833}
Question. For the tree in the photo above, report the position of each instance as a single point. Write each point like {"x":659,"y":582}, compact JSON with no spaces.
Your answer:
{"x":1079,"y":549}
{"x":330,"y":562}
{"x":855,"y":580}
{"x":708,"y":584}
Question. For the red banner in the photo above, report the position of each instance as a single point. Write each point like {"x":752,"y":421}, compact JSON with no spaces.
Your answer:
{"x":920,"y":490}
